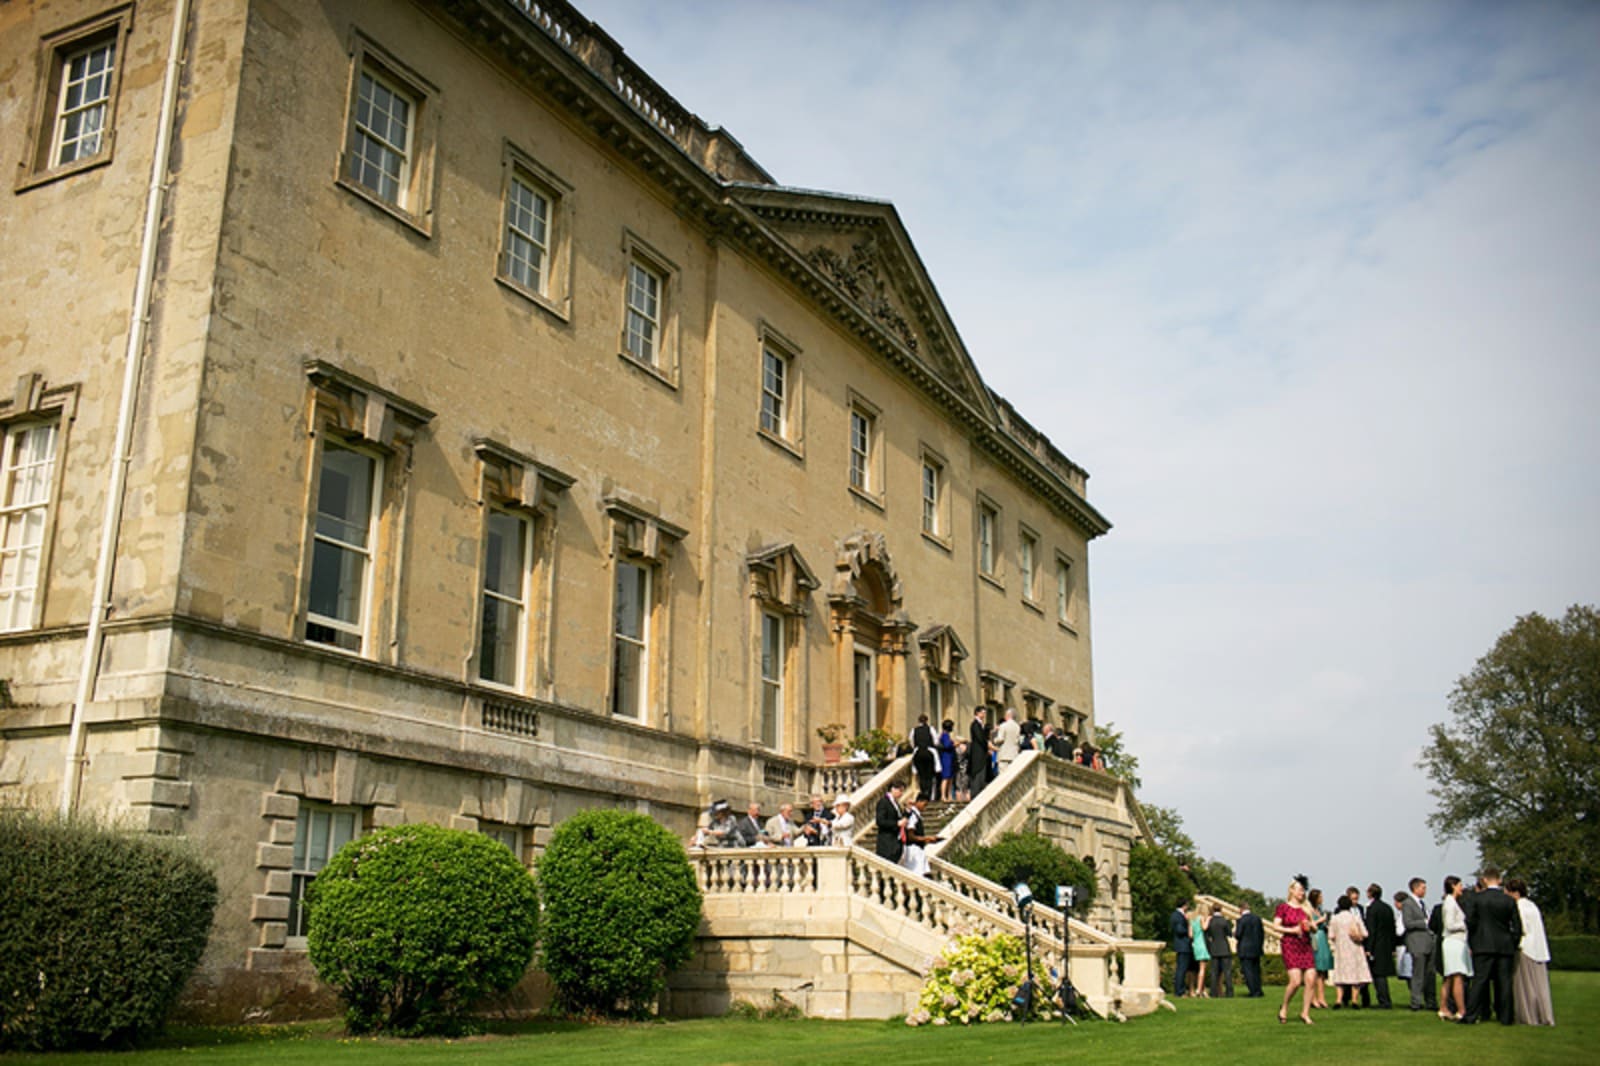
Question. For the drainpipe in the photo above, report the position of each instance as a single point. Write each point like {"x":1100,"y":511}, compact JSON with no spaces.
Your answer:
{"x":133,"y":362}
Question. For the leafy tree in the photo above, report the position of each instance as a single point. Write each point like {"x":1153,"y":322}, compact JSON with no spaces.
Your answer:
{"x":1119,"y":761}
{"x":1517,"y":767}
{"x":621,"y":909}
{"x":1157,"y":884}
{"x":1036,"y":859}
{"x":1166,"y":825}
{"x":413,"y":924}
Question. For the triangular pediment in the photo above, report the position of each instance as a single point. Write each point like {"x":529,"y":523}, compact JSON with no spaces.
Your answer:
{"x":860,"y":251}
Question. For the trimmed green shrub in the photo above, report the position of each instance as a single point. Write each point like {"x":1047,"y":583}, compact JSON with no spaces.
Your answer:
{"x":99,"y":930}
{"x":621,"y":910}
{"x":411,"y":925}
{"x":1035,"y":859}
{"x":1155,"y":883}
{"x":1575,"y":953}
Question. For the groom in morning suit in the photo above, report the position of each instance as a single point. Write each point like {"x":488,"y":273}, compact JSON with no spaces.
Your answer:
{"x":1494,"y":933}
{"x":1419,"y":942}
{"x":890,"y":819}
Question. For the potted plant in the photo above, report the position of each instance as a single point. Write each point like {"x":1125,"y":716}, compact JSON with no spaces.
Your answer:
{"x":879,"y":744}
{"x":832,"y":737}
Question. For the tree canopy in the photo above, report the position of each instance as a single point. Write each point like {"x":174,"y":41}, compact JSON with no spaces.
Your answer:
{"x":1517,"y":766}
{"x":1114,"y":753}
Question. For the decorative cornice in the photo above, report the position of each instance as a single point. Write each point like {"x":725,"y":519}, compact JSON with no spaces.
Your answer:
{"x":570,"y":61}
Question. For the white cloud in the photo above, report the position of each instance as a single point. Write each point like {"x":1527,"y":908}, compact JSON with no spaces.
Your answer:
{"x":1314,"y":292}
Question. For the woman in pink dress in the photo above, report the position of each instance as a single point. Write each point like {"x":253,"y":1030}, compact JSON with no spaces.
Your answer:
{"x":1292,"y":921}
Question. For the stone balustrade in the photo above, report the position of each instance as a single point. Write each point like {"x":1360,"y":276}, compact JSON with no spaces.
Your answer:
{"x":852,"y":935}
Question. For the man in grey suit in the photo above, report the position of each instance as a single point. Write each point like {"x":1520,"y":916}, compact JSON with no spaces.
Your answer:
{"x":1419,"y":942}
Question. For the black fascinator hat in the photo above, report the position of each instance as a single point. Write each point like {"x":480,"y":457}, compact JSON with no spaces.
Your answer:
{"x":1305,"y":882}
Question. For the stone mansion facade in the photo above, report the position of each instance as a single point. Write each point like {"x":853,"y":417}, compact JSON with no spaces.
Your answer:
{"x":413,"y":413}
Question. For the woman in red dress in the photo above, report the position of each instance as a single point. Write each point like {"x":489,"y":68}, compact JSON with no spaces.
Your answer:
{"x":1293,"y":922}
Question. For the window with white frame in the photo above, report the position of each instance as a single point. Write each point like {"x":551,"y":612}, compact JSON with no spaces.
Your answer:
{"x":389,"y":140}
{"x":382,"y":136}
{"x":774,"y":667}
{"x":642,"y":335}
{"x":936,"y":699}
{"x":529,"y":216}
{"x":988,"y":539}
{"x":1063,"y":591}
{"x":76,"y":103}
{"x":630,"y":668}
{"x":27,"y":476}
{"x":932,"y":497}
{"x":320,"y":830}
{"x":865,"y":460}
{"x":84,"y":103}
{"x":775,"y":391}
{"x":1028,"y":558}
{"x":343,"y":536}
{"x":507,"y":552}
{"x":535,"y":249}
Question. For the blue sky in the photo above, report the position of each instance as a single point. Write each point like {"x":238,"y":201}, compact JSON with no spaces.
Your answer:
{"x":1311,"y":289}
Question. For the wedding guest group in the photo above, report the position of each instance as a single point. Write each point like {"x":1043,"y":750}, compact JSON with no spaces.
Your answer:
{"x":1485,"y":941}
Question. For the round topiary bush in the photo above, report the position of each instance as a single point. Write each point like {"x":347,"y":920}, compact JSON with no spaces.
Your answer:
{"x":99,"y":930}
{"x":621,"y":909}
{"x":1037,"y":860}
{"x":411,"y":925}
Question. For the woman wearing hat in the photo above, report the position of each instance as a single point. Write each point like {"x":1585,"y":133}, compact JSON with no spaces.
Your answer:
{"x":1293,"y":922}
{"x":844,"y":823}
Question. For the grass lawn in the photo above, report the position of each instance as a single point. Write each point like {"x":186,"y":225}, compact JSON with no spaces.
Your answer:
{"x":1207,"y":1031}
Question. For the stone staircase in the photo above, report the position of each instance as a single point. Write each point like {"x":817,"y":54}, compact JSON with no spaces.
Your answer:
{"x":841,"y":933}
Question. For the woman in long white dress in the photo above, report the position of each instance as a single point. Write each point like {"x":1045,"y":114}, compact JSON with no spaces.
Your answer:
{"x":1457,"y":956}
{"x":1531,"y":984}
{"x":1350,"y":970}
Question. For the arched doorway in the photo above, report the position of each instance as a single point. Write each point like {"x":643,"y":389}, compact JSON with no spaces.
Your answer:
{"x":871,"y":636}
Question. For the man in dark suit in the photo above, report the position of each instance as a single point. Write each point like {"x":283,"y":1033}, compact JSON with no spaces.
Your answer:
{"x":1419,"y":942}
{"x":1217,"y":930}
{"x":978,"y":752}
{"x":1380,"y":944}
{"x":890,"y":819}
{"x":1251,"y":942}
{"x":1183,"y":946}
{"x":1494,"y":933}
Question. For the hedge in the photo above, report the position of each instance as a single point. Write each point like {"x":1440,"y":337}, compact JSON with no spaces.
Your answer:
{"x":1575,"y":953}
{"x":414,"y":924}
{"x":99,"y":930}
{"x":621,"y":909}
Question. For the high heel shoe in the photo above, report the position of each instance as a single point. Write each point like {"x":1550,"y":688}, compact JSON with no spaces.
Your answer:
{"x":1307,"y":1019}
{"x":1283,"y":1018}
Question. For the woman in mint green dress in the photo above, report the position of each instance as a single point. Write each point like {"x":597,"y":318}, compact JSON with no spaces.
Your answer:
{"x":1202,"y":957}
{"x":1321,"y":949}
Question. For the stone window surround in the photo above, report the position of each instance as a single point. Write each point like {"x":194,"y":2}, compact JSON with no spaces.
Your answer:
{"x":37,"y":167}
{"x":781,"y":583}
{"x":1066,"y":614}
{"x":792,"y":439}
{"x":940,"y":534}
{"x":642,"y":537}
{"x":872,"y":492}
{"x":362,"y":416}
{"x":986,"y":506}
{"x":415,"y":207}
{"x":1029,"y":552}
{"x":35,"y":400}
{"x":555,"y":295}
{"x":511,"y":480}
{"x":344,"y":784}
{"x":665,"y":368}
